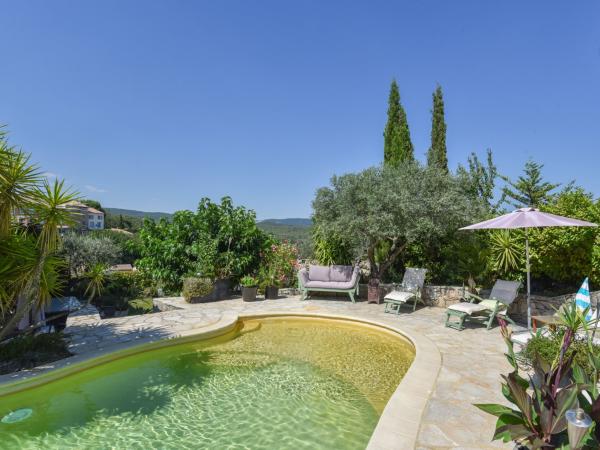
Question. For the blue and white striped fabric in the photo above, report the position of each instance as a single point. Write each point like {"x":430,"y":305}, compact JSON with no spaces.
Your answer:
{"x":583,"y":300}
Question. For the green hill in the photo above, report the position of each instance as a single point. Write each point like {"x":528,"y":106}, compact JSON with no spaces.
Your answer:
{"x":292,"y":230}
{"x":135,"y":213}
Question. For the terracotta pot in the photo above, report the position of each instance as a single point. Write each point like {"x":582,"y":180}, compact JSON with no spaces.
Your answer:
{"x":249,"y":293}
{"x":373,"y":293}
{"x":271,"y":292}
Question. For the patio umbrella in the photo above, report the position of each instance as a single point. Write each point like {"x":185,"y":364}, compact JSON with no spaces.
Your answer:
{"x":528,"y":218}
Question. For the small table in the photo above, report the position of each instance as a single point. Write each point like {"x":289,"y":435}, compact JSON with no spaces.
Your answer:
{"x":552,"y":321}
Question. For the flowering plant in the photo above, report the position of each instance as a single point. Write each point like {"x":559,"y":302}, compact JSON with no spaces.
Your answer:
{"x":280,"y":264}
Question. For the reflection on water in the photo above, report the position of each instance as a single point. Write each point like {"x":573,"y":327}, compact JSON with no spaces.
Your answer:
{"x":279,"y":384}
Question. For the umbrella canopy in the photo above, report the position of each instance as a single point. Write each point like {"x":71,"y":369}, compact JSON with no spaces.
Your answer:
{"x":528,"y":218}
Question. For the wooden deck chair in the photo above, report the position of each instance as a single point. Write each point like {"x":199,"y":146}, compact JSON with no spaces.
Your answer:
{"x":485,"y":311}
{"x":410,"y":289}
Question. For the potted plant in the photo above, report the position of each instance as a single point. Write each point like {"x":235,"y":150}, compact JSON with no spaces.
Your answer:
{"x":374,"y":293}
{"x":280,"y":264}
{"x":198,"y":290}
{"x":269,"y":283}
{"x":249,"y":288}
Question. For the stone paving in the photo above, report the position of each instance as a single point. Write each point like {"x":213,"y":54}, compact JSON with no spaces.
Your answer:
{"x":471,"y":359}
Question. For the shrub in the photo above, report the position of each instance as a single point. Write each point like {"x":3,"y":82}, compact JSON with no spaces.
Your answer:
{"x":196,"y":287}
{"x":82,"y":252}
{"x":140,"y":306}
{"x":547,"y":349}
{"x":25,"y":352}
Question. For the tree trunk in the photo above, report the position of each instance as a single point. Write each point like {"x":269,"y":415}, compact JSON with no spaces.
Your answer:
{"x":377,"y":272}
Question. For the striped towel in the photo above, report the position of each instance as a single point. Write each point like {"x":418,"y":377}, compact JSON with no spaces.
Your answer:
{"x":583,"y":300}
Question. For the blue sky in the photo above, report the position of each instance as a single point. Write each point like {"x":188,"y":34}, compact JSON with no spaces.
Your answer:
{"x":152,"y":105}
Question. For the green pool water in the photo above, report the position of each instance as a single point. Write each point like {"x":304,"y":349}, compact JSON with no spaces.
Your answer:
{"x":277,"y":383}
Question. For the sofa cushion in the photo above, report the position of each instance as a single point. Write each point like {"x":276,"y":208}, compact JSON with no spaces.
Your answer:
{"x":318,"y":273}
{"x":341,"y":273}
{"x":329,"y":284}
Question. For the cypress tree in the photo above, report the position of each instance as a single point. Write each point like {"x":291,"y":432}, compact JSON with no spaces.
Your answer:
{"x":397,"y":146}
{"x":437,"y":155}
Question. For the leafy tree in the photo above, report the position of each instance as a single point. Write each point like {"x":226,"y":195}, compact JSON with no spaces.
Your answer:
{"x":166,"y":249}
{"x":437,"y":155}
{"x":217,"y":241}
{"x":530,"y":189}
{"x":392,"y":207}
{"x":397,"y":147}
{"x":83,"y":251}
{"x":480,"y":180}
{"x":568,"y":254}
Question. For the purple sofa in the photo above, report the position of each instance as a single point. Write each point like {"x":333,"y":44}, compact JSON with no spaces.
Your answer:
{"x":329,"y":279}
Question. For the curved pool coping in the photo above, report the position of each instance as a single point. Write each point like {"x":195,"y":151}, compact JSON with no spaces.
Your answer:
{"x":398,"y":425}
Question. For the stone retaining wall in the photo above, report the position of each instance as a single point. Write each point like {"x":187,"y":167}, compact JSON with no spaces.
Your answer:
{"x":440,"y":296}
{"x":541,"y":305}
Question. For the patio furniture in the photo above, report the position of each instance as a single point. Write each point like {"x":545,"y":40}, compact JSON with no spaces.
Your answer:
{"x":410,"y":289}
{"x":329,"y":279}
{"x":486,"y":310}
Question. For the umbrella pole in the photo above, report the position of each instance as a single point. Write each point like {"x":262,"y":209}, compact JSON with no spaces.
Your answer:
{"x":528,"y":280}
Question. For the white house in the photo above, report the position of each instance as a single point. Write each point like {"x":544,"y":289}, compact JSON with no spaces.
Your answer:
{"x":88,"y":218}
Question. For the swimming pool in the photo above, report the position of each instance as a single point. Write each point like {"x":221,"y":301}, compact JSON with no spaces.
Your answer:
{"x":282,"y":382}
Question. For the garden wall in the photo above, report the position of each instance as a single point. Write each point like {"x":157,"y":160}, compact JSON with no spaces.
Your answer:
{"x":541,"y":305}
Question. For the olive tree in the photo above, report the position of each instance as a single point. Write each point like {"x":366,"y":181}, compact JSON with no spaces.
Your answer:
{"x":384,"y":210}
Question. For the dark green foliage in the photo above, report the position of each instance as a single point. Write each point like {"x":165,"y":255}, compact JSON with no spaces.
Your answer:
{"x":218,"y":241}
{"x":547,"y":348}
{"x":132,"y":224}
{"x":331,"y":247}
{"x":437,"y":155}
{"x":397,"y":146}
{"x":567,"y":254}
{"x":128,"y":244}
{"x":28,"y":351}
{"x":530,"y":189}
{"x":83,"y":251}
{"x":196,"y":287}
{"x":480,"y":180}
{"x":382,"y":212}
{"x":140,"y":306}
{"x":166,"y":249}
{"x":120,"y":288}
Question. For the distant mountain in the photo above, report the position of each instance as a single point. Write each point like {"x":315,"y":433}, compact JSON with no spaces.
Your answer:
{"x":134,"y":213}
{"x":293,"y":222}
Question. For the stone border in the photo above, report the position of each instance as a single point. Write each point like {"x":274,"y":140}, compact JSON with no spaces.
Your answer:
{"x":397,"y":428}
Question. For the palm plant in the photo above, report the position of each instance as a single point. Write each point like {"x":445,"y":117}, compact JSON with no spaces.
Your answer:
{"x":18,"y":184}
{"x":96,"y":277}
{"x":506,"y":252}
{"x":49,"y":209}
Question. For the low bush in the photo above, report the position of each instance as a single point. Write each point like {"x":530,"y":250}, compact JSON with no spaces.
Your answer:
{"x":28,"y":351}
{"x":140,"y":306}
{"x":547,"y":349}
{"x":196,"y":287}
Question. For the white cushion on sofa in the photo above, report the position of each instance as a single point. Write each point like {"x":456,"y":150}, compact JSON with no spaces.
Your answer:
{"x":399,"y":296}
